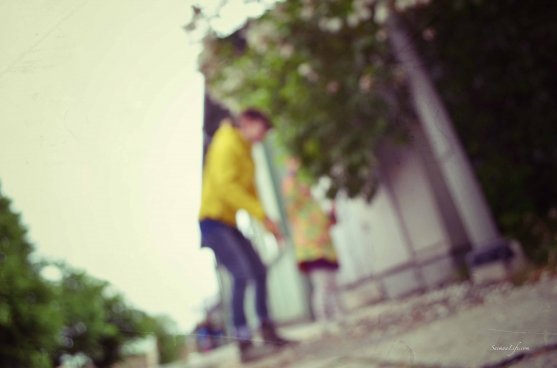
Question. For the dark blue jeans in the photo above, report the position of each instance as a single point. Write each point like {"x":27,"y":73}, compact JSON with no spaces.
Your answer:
{"x":236,"y":254}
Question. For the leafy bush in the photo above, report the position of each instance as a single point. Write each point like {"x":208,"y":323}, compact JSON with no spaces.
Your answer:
{"x":41,"y":320}
{"x":97,"y":321}
{"x":29,"y":321}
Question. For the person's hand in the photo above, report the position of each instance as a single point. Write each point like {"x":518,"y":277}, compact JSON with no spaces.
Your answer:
{"x":273,"y":228}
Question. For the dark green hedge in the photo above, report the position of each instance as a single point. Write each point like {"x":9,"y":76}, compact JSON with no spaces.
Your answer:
{"x":495,"y":64}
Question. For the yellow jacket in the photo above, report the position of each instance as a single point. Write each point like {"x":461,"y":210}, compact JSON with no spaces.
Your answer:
{"x":228,"y":178}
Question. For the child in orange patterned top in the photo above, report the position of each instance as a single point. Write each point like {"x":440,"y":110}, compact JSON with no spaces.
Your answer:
{"x":315,"y":253}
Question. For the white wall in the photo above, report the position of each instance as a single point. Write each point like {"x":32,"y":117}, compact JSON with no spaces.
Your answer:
{"x":401,"y":227}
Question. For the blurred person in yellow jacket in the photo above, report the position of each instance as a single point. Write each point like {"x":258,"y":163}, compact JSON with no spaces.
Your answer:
{"x":228,"y":186}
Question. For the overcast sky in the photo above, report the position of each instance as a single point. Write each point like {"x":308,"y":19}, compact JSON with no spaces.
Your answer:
{"x":100,"y":143}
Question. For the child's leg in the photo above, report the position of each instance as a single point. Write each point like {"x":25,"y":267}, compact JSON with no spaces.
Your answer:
{"x":335,"y":307}
{"x":318,"y":279}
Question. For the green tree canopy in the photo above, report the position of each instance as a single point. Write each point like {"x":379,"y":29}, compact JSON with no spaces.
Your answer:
{"x":29,"y":320}
{"x":42,"y":320}
{"x":325,"y":73}
{"x":97,"y":320}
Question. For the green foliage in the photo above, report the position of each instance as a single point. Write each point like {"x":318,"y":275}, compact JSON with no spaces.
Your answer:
{"x":42,"y":320}
{"x":29,"y":322}
{"x":494,"y":64}
{"x":97,"y":321}
{"x":325,"y":73}
{"x":170,"y":343}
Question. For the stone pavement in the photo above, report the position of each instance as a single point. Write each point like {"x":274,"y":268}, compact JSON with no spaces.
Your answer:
{"x":488,"y":326}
